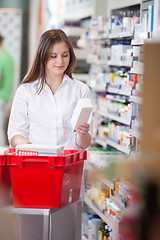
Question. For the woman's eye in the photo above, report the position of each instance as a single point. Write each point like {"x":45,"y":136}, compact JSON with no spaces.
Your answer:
{"x":65,"y":55}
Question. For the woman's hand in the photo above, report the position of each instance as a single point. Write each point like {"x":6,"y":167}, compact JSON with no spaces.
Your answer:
{"x":18,"y":140}
{"x":26,"y":142}
{"x":82,"y":129}
{"x":83,"y":136}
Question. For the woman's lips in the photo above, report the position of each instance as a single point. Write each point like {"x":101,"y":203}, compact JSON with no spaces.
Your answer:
{"x":59,"y":67}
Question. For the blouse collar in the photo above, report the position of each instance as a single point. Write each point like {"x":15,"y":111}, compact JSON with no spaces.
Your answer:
{"x":36,"y":83}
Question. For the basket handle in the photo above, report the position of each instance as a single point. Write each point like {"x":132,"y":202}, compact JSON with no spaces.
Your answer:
{"x":32,"y":160}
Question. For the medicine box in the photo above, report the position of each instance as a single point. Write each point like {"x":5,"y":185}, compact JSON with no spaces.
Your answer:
{"x":81,"y":113}
{"x":39,"y":149}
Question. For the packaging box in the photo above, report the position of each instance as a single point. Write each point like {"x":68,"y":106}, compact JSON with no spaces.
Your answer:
{"x":81,"y":113}
{"x":4,"y":150}
{"x":39,"y":149}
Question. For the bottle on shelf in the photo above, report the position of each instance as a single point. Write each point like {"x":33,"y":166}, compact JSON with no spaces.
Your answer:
{"x":93,"y":226}
{"x":104,"y":231}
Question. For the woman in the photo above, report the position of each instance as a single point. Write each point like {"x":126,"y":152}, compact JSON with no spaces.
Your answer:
{"x":41,"y":113}
{"x":44,"y":102}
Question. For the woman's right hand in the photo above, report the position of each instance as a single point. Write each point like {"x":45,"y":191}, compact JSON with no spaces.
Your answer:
{"x":18,"y":140}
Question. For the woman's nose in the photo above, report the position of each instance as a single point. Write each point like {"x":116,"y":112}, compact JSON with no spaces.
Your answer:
{"x":60,"y":59}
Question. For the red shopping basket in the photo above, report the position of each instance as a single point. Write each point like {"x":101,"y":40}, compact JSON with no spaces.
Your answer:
{"x":5,"y":182}
{"x":46,"y":181}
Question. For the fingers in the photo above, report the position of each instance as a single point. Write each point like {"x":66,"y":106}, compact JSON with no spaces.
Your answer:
{"x":83,"y":129}
{"x":24,"y":142}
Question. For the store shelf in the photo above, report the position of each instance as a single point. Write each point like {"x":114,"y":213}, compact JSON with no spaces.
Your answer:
{"x":98,"y":89}
{"x":107,"y":219}
{"x":100,"y":62}
{"x":135,"y":134}
{"x":117,"y":202}
{"x":120,"y":64}
{"x":111,"y":221}
{"x":118,"y":146}
{"x":119,"y":119}
{"x":137,"y":42}
{"x":116,"y":35}
{"x":119,"y":100}
{"x":109,"y":183}
{"x":125,"y":92}
{"x":81,"y":76}
{"x":74,"y":30}
{"x":99,"y":38}
{"x":80,"y":53}
{"x":121,"y":35}
{"x":113,"y":144}
{"x":136,"y":99}
{"x":136,"y":71}
{"x":101,"y":113}
{"x":128,"y":67}
{"x":101,"y":142}
{"x":114,"y":117}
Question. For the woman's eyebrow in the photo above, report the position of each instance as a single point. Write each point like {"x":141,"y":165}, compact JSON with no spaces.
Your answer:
{"x":56,"y":53}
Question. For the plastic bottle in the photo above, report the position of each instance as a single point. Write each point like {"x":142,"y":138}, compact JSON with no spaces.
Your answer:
{"x":93,"y":226}
{"x":90,"y":229}
{"x":101,"y":230}
{"x":106,"y":233}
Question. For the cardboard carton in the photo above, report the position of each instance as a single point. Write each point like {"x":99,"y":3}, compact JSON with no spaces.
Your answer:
{"x":81,"y":113}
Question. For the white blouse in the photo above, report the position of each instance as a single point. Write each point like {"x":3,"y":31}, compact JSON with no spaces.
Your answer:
{"x":45,"y":118}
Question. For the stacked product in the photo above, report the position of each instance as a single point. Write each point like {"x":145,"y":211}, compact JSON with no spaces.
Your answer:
{"x":39,"y":150}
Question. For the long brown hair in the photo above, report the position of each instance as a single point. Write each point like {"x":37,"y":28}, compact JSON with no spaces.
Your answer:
{"x":47,"y":40}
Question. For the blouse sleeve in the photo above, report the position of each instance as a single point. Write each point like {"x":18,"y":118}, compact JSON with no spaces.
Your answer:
{"x":18,"y":121}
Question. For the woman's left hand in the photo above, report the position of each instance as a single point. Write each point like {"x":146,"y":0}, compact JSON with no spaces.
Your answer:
{"x":82,"y":129}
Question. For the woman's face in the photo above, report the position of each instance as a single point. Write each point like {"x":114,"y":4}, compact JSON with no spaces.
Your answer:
{"x":58,"y":60}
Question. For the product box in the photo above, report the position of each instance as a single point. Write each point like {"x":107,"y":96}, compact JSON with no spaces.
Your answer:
{"x":39,"y":149}
{"x":4,"y":150}
{"x":81,"y":113}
